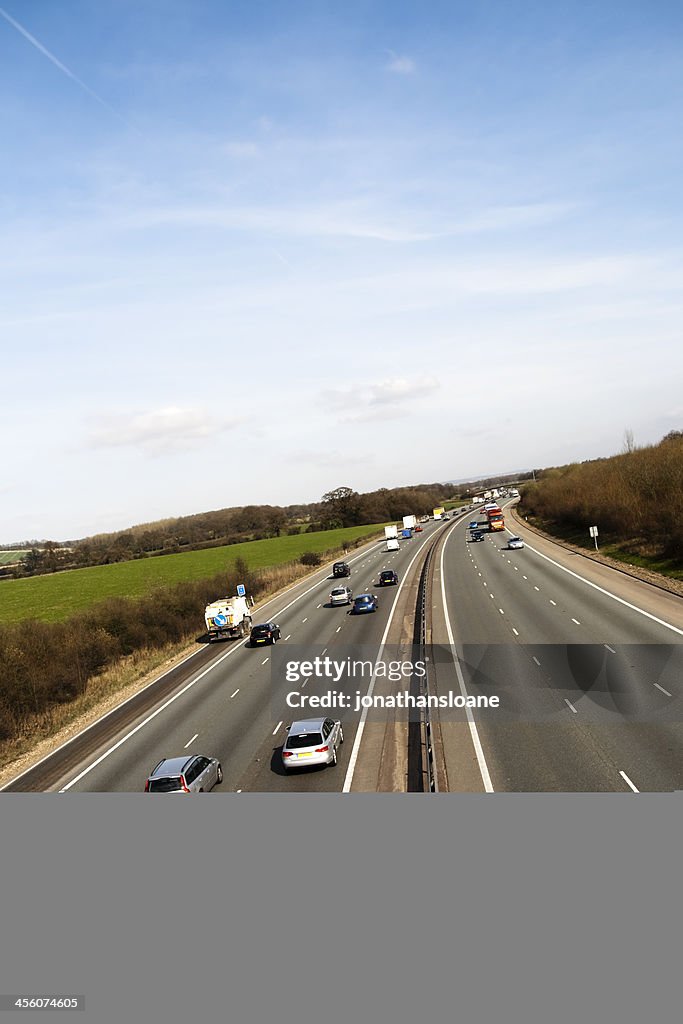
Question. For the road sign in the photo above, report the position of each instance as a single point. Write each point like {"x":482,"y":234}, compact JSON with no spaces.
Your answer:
{"x":220,"y":619}
{"x":241,"y":590}
{"x":593,"y":530}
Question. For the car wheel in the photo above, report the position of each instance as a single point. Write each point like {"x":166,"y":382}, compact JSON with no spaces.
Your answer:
{"x":219,"y":775}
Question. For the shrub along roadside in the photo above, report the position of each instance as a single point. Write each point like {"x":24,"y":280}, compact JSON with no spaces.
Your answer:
{"x":635,"y":499}
{"x":48,"y":668}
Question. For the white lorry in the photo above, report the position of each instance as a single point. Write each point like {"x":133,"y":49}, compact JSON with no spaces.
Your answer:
{"x":229,"y":616}
{"x":390,"y":532}
{"x":409,"y":522}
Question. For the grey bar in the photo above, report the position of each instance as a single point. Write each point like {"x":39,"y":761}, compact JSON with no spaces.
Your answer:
{"x":41,"y":1003}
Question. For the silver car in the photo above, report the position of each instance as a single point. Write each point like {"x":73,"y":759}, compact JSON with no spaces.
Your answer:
{"x":312,"y":741}
{"x":195,"y":774}
{"x":341,"y":595}
{"x":515,"y":543}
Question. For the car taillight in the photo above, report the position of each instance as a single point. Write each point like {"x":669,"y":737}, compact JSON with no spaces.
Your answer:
{"x":184,"y":784}
{"x":321,"y":750}
{"x":286,"y":753}
{"x":147,"y":786}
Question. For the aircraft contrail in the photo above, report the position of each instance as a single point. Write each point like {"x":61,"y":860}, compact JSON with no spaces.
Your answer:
{"x":62,"y":67}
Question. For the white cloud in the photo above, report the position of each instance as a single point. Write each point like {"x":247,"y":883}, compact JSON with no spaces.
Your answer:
{"x":399,"y":389}
{"x":387,"y":399}
{"x":400,"y":65}
{"x":159,"y":431}
{"x":241,"y":150}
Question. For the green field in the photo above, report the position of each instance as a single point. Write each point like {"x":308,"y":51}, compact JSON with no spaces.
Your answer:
{"x":56,"y":597}
{"x":9,"y":557}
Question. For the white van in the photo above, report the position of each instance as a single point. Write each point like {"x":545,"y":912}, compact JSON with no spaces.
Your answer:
{"x":392,"y":545}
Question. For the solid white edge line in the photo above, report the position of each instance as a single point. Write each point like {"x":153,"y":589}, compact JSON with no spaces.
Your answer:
{"x":348,"y":779}
{"x":145,"y":721}
{"x":607,"y":593}
{"x":476,"y":742}
{"x":628,"y":782}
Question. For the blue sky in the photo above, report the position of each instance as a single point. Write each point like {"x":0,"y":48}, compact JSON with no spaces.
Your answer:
{"x":252,"y":251}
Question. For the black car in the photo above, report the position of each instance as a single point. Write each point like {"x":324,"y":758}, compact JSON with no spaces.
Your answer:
{"x":477,"y":535}
{"x":387,"y":577}
{"x":341,"y":569}
{"x":265,"y":633}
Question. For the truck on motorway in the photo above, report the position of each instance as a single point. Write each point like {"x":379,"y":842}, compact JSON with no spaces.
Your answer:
{"x":495,"y":518}
{"x":228,"y":617}
{"x":390,"y":532}
{"x":407,"y":534}
{"x":409,"y":522}
{"x":439,"y":513}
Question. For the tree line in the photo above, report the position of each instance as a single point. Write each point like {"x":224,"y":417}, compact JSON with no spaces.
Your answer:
{"x":340,"y":507}
{"x":634,"y":497}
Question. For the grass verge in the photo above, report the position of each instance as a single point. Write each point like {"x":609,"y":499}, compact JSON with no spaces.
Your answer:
{"x":54,"y":598}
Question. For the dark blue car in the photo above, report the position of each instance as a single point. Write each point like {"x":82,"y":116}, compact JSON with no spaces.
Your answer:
{"x":365,"y":603}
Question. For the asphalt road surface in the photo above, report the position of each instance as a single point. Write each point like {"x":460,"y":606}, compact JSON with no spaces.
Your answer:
{"x":226,"y":706}
{"x":586,"y":662}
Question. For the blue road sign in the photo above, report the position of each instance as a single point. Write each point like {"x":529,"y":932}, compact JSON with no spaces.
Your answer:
{"x":241,"y":590}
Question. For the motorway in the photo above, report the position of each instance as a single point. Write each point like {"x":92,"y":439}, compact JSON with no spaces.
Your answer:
{"x":224,"y":703}
{"x":586,"y":660}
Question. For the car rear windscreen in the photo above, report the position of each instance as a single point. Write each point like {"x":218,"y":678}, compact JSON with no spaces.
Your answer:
{"x":164,"y":785}
{"x":307,"y":739}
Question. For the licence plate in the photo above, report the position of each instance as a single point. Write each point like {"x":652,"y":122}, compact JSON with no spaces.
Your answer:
{"x":305,"y":755}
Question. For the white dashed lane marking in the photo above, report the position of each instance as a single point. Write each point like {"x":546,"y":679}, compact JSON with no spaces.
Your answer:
{"x":628,"y":781}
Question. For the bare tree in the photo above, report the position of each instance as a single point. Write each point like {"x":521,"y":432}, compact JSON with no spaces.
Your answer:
{"x":629,"y":443}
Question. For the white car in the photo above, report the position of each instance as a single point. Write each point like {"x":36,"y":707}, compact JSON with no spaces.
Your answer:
{"x":514,"y":543}
{"x":310,"y":742}
{"x":340,"y":595}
